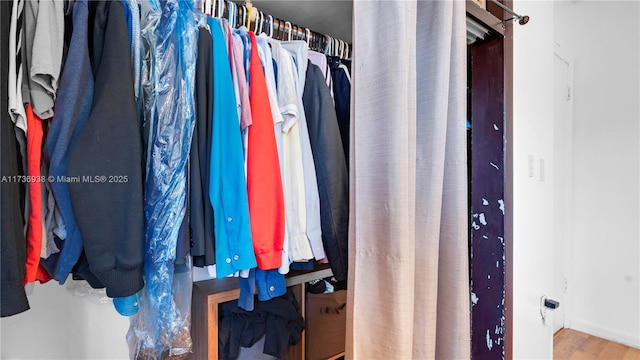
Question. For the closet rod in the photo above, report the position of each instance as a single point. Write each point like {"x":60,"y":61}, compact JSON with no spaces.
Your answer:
{"x":522,"y":19}
{"x":317,"y":41}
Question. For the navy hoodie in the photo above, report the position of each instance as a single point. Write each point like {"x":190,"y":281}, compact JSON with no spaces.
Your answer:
{"x":108,"y":201}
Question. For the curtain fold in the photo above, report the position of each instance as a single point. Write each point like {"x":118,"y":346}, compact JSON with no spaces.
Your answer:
{"x":408,"y":258}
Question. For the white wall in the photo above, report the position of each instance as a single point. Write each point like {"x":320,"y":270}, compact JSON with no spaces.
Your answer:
{"x":533,"y":208}
{"x":63,"y":326}
{"x":604,"y":287}
{"x":602,"y":38}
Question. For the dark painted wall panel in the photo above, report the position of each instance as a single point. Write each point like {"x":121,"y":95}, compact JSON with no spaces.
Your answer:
{"x":487,"y":200}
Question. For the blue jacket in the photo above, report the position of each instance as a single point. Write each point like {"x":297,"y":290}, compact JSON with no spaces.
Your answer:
{"x":72,"y":109}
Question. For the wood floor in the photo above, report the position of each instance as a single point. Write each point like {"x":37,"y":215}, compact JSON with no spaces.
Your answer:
{"x":574,"y":345}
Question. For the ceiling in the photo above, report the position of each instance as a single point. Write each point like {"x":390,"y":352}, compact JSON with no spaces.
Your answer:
{"x":333,"y":18}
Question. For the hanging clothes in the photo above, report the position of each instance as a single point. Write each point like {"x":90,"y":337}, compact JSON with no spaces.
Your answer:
{"x":35,"y":220}
{"x":266,"y":202}
{"x":299,"y":57}
{"x":107,"y":157}
{"x":283,"y":102}
{"x":320,"y":60}
{"x":13,"y":299}
{"x":16,"y":73}
{"x":333,"y":179}
{"x":73,"y":107}
{"x":170,"y":117}
{"x":342,"y":99}
{"x":227,"y":187}
{"x":201,"y":209}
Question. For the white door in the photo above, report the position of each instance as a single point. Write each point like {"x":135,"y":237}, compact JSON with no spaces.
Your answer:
{"x":562,"y":145}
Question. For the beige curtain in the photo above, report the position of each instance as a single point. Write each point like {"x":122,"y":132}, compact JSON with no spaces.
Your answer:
{"x":408,"y":256}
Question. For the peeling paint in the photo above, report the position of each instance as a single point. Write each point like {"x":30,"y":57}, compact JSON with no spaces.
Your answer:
{"x":485,"y":237}
{"x":494,"y":165}
{"x":489,"y":341}
{"x":485,"y":202}
{"x":495,"y":127}
{"x":482,"y":219}
{"x":501,"y":202}
{"x":474,"y":298}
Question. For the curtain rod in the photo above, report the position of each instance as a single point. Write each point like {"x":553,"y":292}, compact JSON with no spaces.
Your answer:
{"x":522,"y":19}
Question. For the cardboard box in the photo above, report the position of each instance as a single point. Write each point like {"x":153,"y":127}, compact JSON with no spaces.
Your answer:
{"x":326,"y":324}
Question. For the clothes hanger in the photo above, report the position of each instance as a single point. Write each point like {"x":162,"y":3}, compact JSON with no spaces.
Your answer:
{"x":316,"y":41}
{"x":249,"y":13}
{"x":285,"y":28}
{"x":280,"y":30}
{"x":262,"y":21}
{"x":244,"y":15}
{"x":231,"y":15}
{"x":236,"y":13}
{"x":220,"y":8}
{"x":307,"y":35}
{"x":258,"y":25}
{"x":270,"y":26}
{"x":277,"y":27}
{"x":203,"y":7}
{"x":327,"y":49}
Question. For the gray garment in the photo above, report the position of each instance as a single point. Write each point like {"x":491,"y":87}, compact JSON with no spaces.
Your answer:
{"x":44,"y":36}
{"x":42,"y":42}
{"x":16,"y":105}
{"x":29,"y":13}
{"x":53,"y":223}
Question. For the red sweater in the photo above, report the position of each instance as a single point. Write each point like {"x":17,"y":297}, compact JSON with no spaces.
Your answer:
{"x":34,"y":222}
{"x":264,"y":185}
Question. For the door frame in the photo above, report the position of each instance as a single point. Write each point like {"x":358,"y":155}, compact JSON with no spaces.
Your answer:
{"x":503,"y":35}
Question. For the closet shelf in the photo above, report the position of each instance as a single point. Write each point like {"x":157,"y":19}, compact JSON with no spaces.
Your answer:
{"x":209,"y":294}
